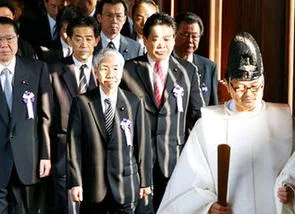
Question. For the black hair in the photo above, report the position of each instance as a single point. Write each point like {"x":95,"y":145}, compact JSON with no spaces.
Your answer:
{"x":157,"y":19}
{"x":189,"y":18}
{"x":88,"y":21}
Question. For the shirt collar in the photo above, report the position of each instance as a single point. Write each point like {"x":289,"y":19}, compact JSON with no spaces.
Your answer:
{"x":78,"y":63}
{"x":189,"y":58}
{"x":105,"y":40}
{"x":10,"y":66}
{"x":113,"y":96}
{"x":164,"y":63}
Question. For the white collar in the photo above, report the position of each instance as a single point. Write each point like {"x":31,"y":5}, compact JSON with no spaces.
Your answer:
{"x":10,"y":66}
{"x":105,"y":40}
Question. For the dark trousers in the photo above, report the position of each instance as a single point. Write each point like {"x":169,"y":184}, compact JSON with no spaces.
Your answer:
{"x":160,"y":183}
{"x":107,"y":206}
{"x":17,"y":198}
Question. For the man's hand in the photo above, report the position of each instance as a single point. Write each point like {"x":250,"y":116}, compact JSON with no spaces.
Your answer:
{"x":144,"y":192}
{"x":45,"y":166}
{"x":218,"y":209}
{"x":77,"y":194}
{"x":285,"y":194}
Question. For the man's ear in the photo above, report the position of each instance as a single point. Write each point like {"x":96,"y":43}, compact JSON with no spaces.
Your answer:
{"x":98,"y":18}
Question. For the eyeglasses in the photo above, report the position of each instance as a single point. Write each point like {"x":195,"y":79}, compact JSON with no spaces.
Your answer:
{"x":8,"y":39}
{"x":117,"y":16}
{"x":242,"y":88}
{"x":194,"y":36}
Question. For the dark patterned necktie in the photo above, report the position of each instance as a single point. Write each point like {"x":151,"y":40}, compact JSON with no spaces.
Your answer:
{"x":111,"y":45}
{"x":82,"y":80}
{"x":108,"y":117}
{"x":7,"y":87}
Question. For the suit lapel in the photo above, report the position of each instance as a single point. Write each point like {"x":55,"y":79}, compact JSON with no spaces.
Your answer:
{"x":174,"y":74}
{"x":97,"y":113}
{"x":70,"y":79}
{"x":4,"y":111}
{"x":92,"y":80}
{"x":123,"y":49}
{"x":23,"y":81}
{"x":143,"y":73}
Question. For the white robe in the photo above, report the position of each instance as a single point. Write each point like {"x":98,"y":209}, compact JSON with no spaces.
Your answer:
{"x":260,"y":141}
{"x":287,"y":176}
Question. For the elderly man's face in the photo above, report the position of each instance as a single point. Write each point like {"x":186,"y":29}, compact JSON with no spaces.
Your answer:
{"x":187,"y":38}
{"x":109,"y":73}
{"x":246,"y":94}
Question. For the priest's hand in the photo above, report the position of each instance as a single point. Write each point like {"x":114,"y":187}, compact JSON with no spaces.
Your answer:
{"x":219,"y":209}
{"x":285,"y":194}
{"x":77,"y":194}
{"x":44,"y":168}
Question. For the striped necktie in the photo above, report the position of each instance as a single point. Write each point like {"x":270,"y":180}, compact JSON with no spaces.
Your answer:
{"x":111,"y":45}
{"x":82,"y":79}
{"x":108,"y":117}
{"x":7,"y":87}
{"x":159,"y":83}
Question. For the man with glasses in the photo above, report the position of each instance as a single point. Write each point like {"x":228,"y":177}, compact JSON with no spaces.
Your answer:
{"x":25,"y":119}
{"x":189,"y":29}
{"x":112,"y":15}
{"x":260,"y":137}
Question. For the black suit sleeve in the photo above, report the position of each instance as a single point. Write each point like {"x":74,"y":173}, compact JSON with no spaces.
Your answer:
{"x":144,"y":154}
{"x":45,"y":109}
{"x":196,"y":101}
{"x":74,"y":146}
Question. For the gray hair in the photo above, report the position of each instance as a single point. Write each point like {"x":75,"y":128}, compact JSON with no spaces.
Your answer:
{"x":107,"y":52}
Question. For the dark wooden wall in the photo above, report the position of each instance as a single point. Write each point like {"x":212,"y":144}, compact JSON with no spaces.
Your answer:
{"x":264,"y":19}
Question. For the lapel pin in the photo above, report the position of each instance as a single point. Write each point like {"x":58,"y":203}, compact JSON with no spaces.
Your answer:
{"x":122,"y":108}
{"x":24,"y":82}
{"x":175,"y":69}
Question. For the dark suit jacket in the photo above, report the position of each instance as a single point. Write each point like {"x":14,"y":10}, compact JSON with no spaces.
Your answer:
{"x":23,"y":141}
{"x":53,"y":54}
{"x":97,"y":164}
{"x":128,"y":48}
{"x":26,"y":49}
{"x":208,"y":78}
{"x":65,"y":88}
{"x":168,"y":126}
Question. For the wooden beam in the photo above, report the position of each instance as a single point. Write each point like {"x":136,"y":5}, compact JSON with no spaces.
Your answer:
{"x":290,"y":51}
{"x":215,"y":33}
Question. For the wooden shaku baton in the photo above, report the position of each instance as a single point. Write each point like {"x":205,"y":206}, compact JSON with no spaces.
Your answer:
{"x":223,"y":168}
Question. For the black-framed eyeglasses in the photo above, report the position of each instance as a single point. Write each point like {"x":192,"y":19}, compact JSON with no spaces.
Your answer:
{"x":194,"y":36}
{"x":242,"y":88}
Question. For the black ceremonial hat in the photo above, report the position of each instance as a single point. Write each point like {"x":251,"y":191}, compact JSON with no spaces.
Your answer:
{"x":244,"y":58}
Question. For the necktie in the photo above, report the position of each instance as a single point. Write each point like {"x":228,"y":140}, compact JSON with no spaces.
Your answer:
{"x":111,"y":45}
{"x":82,"y":80}
{"x":159,"y":83}
{"x":54,"y":32}
{"x":7,"y":87}
{"x":108,"y":117}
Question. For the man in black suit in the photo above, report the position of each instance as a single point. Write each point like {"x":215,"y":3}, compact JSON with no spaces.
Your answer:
{"x":42,"y":30}
{"x":67,"y":77}
{"x":25,"y":118}
{"x":60,"y":47}
{"x":189,"y":29}
{"x":7,"y":9}
{"x":170,"y":89}
{"x":112,"y":16}
{"x":110,"y":163}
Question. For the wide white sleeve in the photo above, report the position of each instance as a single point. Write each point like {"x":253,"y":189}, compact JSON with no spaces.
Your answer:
{"x":287,"y":176}
{"x":191,"y":187}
